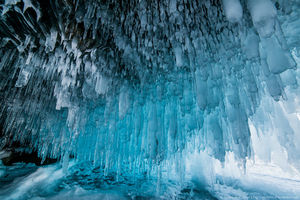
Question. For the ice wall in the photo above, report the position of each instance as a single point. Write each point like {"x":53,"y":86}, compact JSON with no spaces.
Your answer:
{"x":134,"y":86}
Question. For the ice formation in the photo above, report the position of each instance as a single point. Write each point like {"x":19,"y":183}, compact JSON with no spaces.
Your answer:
{"x":134,"y":87}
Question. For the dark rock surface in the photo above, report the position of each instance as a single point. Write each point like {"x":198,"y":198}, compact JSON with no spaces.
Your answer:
{"x":11,"y":156}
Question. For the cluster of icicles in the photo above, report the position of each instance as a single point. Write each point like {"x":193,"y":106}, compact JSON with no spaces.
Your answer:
{"x":134,"y":86}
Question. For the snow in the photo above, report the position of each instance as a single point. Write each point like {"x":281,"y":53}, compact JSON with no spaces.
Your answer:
{"x":263,"y":14}
{"x":233,"y":10}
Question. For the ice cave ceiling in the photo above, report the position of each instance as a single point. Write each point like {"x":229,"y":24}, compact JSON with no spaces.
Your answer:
{"x":136,"y":84}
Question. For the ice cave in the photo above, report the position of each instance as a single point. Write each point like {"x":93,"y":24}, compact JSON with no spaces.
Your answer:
{"x":150,"y":99}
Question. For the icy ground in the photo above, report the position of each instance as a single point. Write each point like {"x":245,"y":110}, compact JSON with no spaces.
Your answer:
{"x":27,"y":181}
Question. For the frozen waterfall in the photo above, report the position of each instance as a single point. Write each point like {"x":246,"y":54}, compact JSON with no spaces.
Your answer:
{"x":164,"y":93}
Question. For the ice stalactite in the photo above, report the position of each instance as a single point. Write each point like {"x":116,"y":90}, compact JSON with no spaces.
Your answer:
{"x":133,"y":87}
